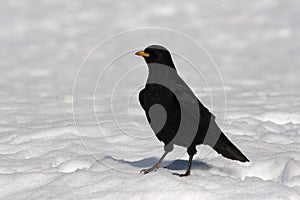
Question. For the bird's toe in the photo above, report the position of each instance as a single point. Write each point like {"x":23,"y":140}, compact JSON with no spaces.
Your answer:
{"x":182,"y":175}
{"x":146,"y":171}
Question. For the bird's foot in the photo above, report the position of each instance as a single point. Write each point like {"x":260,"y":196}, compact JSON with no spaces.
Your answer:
{"x":182,"y":175}
{"x":146,"y":171}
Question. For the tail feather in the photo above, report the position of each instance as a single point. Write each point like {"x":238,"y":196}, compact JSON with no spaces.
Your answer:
{"x":229,"y":150}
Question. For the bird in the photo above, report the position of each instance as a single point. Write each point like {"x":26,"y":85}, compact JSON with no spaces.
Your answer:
{"x":175,"y":114}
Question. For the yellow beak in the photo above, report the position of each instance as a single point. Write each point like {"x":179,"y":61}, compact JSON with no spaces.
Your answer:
{"x":142,"y":53}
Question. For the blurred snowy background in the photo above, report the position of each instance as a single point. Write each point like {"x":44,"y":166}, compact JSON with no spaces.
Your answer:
{"x":256,"y":46}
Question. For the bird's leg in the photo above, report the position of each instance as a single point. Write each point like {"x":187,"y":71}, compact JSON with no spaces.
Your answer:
{"x":191,"y":151}
{"x":156,"y":166}
{"x":188,"y":171}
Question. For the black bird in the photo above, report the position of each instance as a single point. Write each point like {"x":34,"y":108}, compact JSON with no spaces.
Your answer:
{"x":175,"y":114}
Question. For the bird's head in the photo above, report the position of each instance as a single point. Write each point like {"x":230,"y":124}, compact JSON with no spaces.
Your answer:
{"x":157,"y":54}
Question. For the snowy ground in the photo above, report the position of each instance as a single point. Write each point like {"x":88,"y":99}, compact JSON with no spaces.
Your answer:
{"x":255,"y":45}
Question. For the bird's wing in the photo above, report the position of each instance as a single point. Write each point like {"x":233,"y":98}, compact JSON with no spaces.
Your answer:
{"x":141,"y":98}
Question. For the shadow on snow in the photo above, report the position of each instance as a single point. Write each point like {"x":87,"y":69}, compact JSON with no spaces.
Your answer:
{"x":172,"y":165}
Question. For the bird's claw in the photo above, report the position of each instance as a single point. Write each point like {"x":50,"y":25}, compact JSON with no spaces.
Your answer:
{"x":146,"y":171}
{"x":181,"y":175}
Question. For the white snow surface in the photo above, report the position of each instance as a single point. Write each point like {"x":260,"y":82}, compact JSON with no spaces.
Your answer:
{"x":43,"y":155}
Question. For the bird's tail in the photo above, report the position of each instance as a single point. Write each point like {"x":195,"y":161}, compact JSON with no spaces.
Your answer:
{"x":229,"y":150}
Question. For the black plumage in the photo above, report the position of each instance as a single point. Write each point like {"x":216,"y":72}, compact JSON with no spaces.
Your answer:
{"x":174,"y":112}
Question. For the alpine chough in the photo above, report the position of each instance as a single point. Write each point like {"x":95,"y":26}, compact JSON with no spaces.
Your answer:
{"x":175,"y":113}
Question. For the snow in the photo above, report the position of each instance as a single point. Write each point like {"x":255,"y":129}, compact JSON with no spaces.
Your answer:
{"x":45,"y":155}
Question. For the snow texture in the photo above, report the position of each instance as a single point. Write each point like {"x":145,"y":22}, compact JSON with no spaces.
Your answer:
{"x":43,"y":156}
